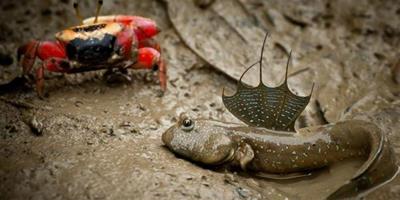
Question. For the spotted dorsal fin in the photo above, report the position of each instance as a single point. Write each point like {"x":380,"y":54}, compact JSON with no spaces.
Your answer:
{"x":275,"y":108}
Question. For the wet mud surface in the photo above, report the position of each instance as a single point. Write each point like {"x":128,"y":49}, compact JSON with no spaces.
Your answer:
{"x":90,"y":139}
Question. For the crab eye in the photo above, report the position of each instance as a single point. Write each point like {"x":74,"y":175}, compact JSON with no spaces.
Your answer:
{"x":187,"y":125}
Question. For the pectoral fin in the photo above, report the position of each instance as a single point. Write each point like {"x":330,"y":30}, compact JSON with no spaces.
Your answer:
{"x":244,"y":155}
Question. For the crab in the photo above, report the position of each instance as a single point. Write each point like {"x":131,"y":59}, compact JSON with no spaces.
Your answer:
{"x":100,"y":42}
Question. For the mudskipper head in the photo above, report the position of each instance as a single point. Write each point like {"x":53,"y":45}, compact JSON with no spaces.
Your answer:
{"x":199,"y":140}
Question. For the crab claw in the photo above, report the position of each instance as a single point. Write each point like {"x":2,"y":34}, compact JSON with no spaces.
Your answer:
{"x":150,"y":58}
{"x":145,"y":28}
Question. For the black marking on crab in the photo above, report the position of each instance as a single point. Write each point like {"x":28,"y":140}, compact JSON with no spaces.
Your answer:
{"x":91,"y":50}
{"x":90,"y":28}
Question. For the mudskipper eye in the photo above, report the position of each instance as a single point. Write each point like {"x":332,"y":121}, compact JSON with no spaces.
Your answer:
{"x":187,"y":125}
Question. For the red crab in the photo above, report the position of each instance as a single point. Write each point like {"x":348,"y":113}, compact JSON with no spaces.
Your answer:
{"x":101,"y":42}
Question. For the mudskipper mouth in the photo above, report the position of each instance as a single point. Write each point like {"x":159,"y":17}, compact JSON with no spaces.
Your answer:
{"x":167,"y":136}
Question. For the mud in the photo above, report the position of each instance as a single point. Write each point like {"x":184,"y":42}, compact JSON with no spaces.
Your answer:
{"x":94,"y":140}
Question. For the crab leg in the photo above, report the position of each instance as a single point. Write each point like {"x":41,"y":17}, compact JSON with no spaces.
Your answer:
{"x":52,"y":64}
{"x":43,"y":50}
{"x":28,"y":51}
{"x":162,"y":74}
{"x":50,"y":52}
{"x":40,"y":80}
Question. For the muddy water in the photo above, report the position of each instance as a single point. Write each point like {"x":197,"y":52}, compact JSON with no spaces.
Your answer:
{"x":90,"y":139}
{"x":317,"y":186}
